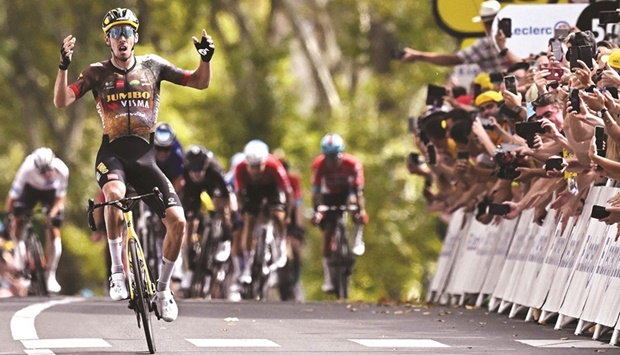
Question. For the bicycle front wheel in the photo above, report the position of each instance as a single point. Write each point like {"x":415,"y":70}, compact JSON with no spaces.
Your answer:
{"x":35,"y":263}
{"x":141,"y":298}
{"x":341,"y":266}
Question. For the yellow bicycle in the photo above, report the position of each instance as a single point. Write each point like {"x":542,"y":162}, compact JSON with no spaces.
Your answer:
{"x":141,"y":285}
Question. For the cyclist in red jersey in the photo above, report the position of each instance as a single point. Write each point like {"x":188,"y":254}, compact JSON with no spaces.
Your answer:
{"x":261,"y":177}
{"x":337,"y":179}
{"x":126,"y":89}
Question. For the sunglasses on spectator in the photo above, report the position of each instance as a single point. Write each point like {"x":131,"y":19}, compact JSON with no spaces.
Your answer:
{"x":553,"y":85}
{"x":126,"y":30}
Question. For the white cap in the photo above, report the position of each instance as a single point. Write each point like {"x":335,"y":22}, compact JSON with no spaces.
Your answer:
{"x":488,"y":10}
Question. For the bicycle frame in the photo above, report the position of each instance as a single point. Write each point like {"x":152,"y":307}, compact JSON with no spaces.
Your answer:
{"x":341,"y":259}
{"x":132,"y":237}
{"x":140,"y":300}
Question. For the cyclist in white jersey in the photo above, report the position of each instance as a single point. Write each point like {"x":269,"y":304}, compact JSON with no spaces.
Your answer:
{"x":43,"y":178}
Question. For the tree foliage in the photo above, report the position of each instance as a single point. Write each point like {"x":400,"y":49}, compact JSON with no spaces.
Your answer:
{"x":285,"y":71}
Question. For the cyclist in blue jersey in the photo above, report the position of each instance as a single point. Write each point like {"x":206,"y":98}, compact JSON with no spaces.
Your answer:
{"x":169,"y":154}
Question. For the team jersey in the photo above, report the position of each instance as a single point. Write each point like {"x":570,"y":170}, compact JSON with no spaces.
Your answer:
{"x":128,"y":101}
{"x":296,"y":186}
{"x":212,"y":182}
{"x":340,"y":179}
{"x":274,"y":173}
{"x":172,"y":167}
{"x":28,"y":174}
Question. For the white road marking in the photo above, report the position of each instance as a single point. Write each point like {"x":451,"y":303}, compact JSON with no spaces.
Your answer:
{"x":22,"y":322}
{"x":66,"y":343}
{"x":229,"y":343}
{"x":22,"y":328}
{"x":399,"y":343}
{"x":556,"y":343}
{"x":39,"y":352}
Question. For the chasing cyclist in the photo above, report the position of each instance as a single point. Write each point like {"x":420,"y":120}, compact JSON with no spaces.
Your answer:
{"x":337,"y":179}
{"x":126,"y":89}
{"x":43,"y":178}
{"x":169,"y":154}
{"x":203,"y":173}
{"x":260,"y":177}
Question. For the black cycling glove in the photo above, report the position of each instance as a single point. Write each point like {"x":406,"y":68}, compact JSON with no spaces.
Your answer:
{"x":205,"y":48}
{"x":65,"y":59}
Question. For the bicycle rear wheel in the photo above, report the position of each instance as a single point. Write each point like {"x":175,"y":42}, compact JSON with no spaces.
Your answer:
{"x":35,"y":264}
{"x":141,"y":298}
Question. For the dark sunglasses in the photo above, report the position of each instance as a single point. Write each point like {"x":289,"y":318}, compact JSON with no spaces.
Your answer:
{"x":162,"y":149}
{"x":553,"y":85}
{"x":116,"y":31}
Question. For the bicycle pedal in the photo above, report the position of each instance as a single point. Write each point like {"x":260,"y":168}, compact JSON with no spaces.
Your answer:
{"x":131,"y":305}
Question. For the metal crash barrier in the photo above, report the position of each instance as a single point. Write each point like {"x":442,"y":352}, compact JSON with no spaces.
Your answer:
{"x":570,"y":271}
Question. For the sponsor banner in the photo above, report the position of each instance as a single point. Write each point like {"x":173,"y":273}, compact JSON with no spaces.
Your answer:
{"x":521,"y":255}
{"x":534,"y":261}
{"x":506,"y":231}
{"x":609,"y":313}
{"x":482,"y":242}
{"x":521,"y":233}
{"x":462,"y":261}
{"x":534,"y":25}
{"x":543,"y":281}
{"x":600,"y":278}
{"x":580,"y":280}
{"x":446,"y":256}
{"x":569,"y":257}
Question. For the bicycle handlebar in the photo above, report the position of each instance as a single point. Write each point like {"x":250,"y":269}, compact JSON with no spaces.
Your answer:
{"x":124,"y":204}
{"x":325,"y":208}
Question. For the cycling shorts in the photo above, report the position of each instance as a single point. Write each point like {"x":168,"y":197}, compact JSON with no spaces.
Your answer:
{"x":24,"y":204}
{"x":131,"y":160}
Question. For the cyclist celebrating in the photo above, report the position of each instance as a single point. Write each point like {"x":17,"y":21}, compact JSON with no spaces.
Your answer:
{"x":43,"y":178}
{"x":337,"y":179}
{"x":126,"y":89}
{"x":260,"y":177}
{"x":203,"y":172}
{"x":169,"y":154}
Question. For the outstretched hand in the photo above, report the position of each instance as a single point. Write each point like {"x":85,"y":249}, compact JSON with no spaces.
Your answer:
{"x":205,"y":47}
{"x":66,"y":51}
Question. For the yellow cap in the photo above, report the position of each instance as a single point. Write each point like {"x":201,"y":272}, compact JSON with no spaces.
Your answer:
{"x":614,"y":59}
{"x":488,"y":96}
{"x":484,"y":80}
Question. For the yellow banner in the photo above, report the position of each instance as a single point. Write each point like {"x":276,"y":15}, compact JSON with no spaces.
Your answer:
{"x":455,"y":16}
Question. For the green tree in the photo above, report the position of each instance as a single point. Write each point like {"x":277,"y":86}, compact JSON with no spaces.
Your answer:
{"x":285,"y":71}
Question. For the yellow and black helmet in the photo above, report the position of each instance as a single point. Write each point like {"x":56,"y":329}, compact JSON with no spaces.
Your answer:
{"x":119,"y":16}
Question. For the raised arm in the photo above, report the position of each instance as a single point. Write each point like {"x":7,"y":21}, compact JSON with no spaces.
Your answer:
{"x":63,"y":95}
{"x":201,"y":77}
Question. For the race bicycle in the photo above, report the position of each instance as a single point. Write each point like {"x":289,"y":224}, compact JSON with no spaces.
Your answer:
{"x":341,"y":259}
{"x":33,"y":255}
{"x":209,"y":274}
{"x":267,"y":258}
{"x":141,"y":284}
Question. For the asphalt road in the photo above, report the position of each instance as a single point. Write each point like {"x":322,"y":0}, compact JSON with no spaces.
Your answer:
{"x":61,"y":325}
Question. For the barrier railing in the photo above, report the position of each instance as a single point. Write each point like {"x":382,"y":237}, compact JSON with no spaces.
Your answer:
{"x":571,"y":271}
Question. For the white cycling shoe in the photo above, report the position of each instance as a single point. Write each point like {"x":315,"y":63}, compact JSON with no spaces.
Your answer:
{"x":223,"y":251}
{"x":52,"y":285}
{"x":166,"y":305}
{"x":118,"y":287}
